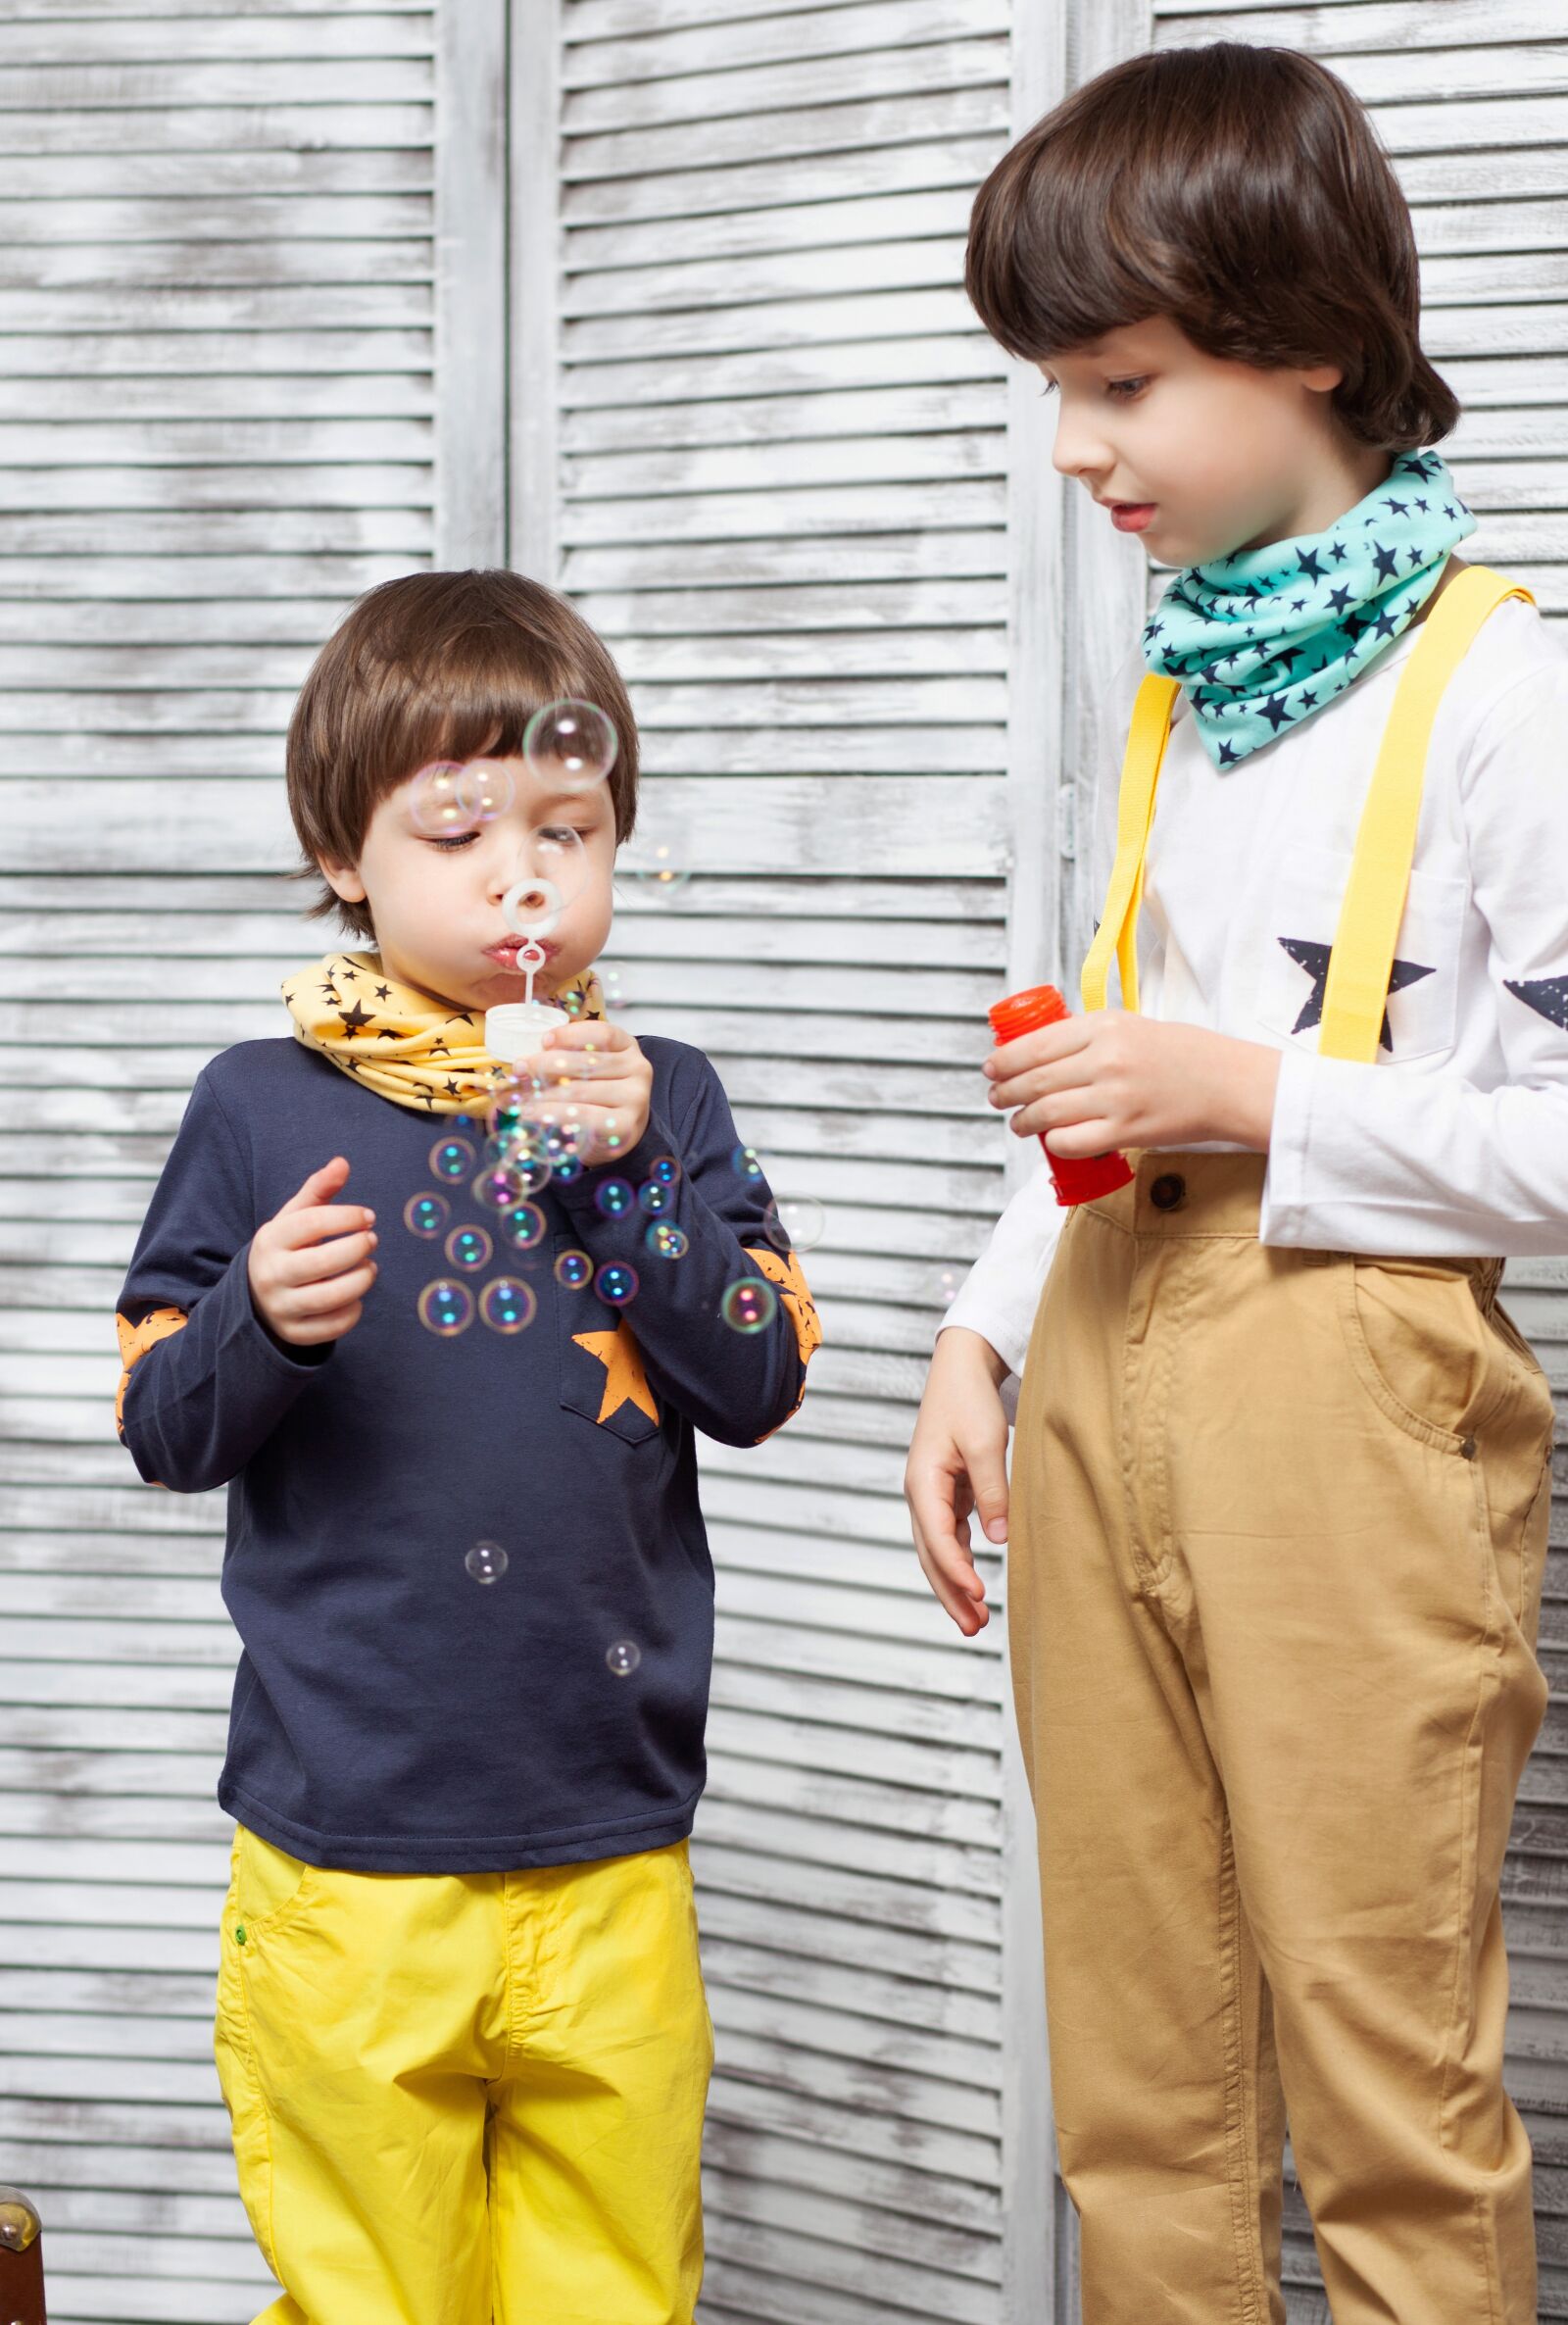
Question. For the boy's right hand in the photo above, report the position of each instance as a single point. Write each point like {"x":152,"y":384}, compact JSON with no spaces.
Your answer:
{"x":958,"y":1465}
{"x":309,"y":1267}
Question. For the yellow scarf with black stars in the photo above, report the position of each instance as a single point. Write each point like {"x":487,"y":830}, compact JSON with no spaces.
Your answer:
{"x":400,"y":1042}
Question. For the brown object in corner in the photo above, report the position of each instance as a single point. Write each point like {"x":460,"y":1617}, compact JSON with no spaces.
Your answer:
{"x":21,"y":2259}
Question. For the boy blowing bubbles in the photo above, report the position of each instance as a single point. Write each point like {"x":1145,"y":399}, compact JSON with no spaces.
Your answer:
{"x":462,"y":2030}
{"x":1281,"y":1475}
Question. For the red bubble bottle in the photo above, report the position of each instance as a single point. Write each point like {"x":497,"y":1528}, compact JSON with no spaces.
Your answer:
{"x":1076,"y":1180}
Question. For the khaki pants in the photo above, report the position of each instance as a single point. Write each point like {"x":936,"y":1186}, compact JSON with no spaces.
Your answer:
{"x":1278,"y":1538}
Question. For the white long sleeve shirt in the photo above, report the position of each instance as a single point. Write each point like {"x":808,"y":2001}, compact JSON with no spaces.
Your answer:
{"x":1455,"y":1141}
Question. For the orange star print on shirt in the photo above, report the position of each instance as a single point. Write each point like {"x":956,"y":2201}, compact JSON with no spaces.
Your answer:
{"x":626,"y":1381}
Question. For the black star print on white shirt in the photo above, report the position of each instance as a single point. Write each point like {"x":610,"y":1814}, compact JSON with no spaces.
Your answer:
{"x":1547,"y":996}
{"x":1314,"y":958}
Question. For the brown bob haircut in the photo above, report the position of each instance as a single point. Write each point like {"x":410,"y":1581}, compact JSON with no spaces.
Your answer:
{"x":1239,"y":191}
{"x":436,"y":665}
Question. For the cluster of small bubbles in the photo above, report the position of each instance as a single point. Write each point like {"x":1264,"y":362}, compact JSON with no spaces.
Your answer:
{"x":570,"y":742}
{"x":655,"y":1198}
{"x":500,"y":1185}
{"x":451,"y":1159}
{"x":446,"y":1307}
{"x":666,"y":1239}
{"x":663,"y":1171}
{"x":427,"y":1215}
{"x":615,"y":1197}
{"x":795,"y":1223}
{"x":508,"y":1305}
{"x":468,"y":1248}
{"x":616,"y":1284}
{"x":750,"y":1306}
{"x":623,"y":1657}
{"x":573,"y":1269}
{"x":745,"y":1163}
{"x":524,"y":1227}
{"x":487,"y":1561}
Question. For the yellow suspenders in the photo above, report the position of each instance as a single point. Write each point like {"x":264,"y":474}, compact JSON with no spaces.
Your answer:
{"x":1362,"y":959}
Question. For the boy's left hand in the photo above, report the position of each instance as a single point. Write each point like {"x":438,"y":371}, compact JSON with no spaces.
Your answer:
{"x":1113,"y":1079}
{"x":595,"y":1071}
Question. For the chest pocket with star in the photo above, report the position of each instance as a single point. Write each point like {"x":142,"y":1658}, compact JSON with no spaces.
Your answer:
{"x":600,"y":1363}
{"x":1291,"y":937}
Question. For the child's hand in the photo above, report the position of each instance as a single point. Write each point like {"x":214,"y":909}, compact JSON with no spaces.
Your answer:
{"x":307,"y":1290}
{"x":596,"y":1072}
{"x":957,"y":1463}
{"x":1111,"y":1078}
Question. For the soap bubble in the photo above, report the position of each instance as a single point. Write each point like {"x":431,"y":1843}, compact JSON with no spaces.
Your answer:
{"x":462,"y":1125}
{"x":623,"y":1658}
{"x":569,"y":744}
{"x":508,"y":1305}
{"x":487,"y":1561}
{"x":666,"y":1239}
{"x":795,"y":1223}
{"x":615,"y":1197}
{"x":654,"y":1199}
{"x":500,"y":1185}
{"x":661,"y":863}
{"x":663,"y":1171}
{"x":468,"y":1248}
{"x":573,"y":1269}
{"x":427,"y":1215}
{"x":451,"y":1159}
{"x":750,"y":1306}
{"x":446,"y":1307}
{"x":569,"y":1168}
{"x":947,"y":1286}
{"x":524,"y":1227}
{"x":510,"y":1104}
{"x":564,"y":1136}
{"x":516,"y":1155}
{"x":616,"y":1284}
{"x":435,"y":803}
{"x":485,"y":789}
{"x":745,"y":1163}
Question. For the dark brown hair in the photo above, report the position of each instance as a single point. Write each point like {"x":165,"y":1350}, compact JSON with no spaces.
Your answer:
{"x":436,"y":665}
{"x":1240,"y":191}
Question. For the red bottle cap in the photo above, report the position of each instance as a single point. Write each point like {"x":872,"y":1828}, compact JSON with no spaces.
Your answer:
{"x":1076,"y":1179}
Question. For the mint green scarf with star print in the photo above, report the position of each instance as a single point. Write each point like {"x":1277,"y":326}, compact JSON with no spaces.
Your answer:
{"x":1261,"y":639}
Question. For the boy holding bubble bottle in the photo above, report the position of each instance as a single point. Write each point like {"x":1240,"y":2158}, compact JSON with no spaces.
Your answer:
{"x":461,"y":2031}
{"x":1281,"y":1472}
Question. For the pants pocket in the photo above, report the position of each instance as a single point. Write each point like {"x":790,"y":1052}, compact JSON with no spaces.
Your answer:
{"x":1420,"y":1346}
{"x":237,"y":2077}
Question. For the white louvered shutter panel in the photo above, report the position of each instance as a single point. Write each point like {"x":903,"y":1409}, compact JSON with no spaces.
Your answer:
{"x":1471,"y":99}
{"x":218,"y":391}
{"x":779,"y":491}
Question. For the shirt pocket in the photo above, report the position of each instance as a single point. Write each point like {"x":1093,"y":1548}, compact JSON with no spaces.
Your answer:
{"x":599,"y":1363}
{"x":1295,"y":937}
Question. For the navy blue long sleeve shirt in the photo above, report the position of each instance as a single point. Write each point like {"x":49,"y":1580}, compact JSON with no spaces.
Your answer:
{"x":392,"y":1713}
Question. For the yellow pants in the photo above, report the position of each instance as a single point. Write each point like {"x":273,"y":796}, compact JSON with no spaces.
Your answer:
{"x":468,"y":2099}
{"x":1277,"y":1547}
